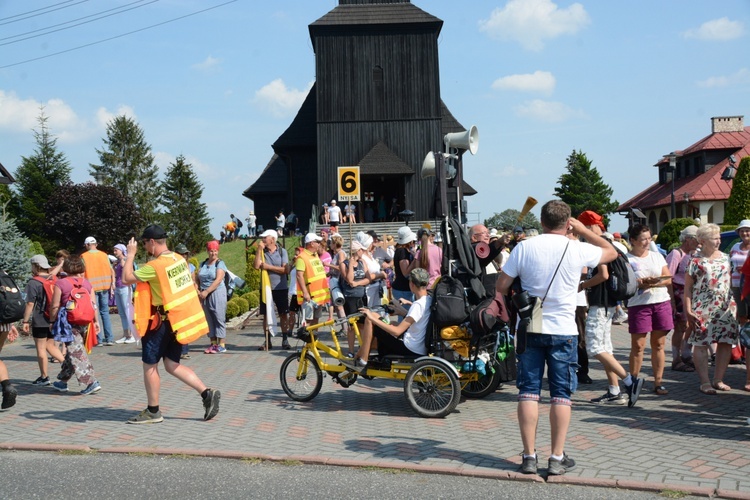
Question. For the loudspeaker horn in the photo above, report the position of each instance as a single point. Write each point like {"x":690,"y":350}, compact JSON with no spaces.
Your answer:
{"x":468,"y":140}
{"x":428,"y":166}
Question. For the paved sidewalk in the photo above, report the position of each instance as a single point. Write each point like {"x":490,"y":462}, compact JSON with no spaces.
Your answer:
{"x":684,"y":441}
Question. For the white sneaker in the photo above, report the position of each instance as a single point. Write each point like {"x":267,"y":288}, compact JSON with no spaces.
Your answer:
{"x":121,"y":341}
{"x":129,"y":340}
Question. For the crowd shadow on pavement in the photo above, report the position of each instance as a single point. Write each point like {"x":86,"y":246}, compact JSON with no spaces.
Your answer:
{"x":414,"y":450}
{"x":81,"y":415}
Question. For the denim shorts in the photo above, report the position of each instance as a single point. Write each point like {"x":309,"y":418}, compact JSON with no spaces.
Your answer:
{"x":560,"y":354}
{"x":160,"y":343}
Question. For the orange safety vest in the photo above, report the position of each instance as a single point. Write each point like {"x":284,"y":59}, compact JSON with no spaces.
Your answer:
{"x":315,"y":279}
{"x":98,"y":270}
{"x":181,"y":302}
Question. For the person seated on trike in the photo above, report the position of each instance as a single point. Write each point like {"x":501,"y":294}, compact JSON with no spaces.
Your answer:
{"x":406,"y":338}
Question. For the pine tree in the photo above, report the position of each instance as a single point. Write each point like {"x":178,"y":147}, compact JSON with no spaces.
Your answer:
{"x":38,"y":176}
{"x":14,"y":248}
{"x":583,"y":188}
{"x":128,"y":165}
{"x":185,"y":217}
{"x":738,"y":205}
{"x":507,"y":220}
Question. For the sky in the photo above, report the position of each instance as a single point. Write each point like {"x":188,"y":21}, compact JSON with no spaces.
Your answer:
{"x":218,"y":81}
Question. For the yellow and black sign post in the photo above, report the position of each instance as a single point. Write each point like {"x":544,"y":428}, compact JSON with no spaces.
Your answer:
{"x":349,"y":188}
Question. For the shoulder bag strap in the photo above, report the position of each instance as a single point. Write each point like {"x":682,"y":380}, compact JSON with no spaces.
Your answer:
{"x":557,"y":269}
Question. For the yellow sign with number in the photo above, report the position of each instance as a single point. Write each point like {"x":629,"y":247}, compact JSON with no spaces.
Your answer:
{"x":348,"y":184}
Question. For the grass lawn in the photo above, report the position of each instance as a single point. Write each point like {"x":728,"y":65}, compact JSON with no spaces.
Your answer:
{"x":233,"y":254}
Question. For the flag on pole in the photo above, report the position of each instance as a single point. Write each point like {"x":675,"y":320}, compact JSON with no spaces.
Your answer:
{"x":267,"y":298}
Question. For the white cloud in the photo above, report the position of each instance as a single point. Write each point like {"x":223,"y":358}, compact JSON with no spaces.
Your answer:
{"x":717,"y":30}
{"x":739,"y":78}
{"x":279,"y":100}
{"x":216,"y":206}
{"x":208,"y":64}
{"x":531,"y":22}
{"x":538,"y":81}
{"x":163,"y":160}
{"x":104,"y":116}
{"x":547,"y":111}
{"x":20,"y":115}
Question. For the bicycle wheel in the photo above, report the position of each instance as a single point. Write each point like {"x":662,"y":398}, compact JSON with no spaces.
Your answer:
{"x":482,"y":387}
{"x":432,"y":389}
{"x":305,"y":386}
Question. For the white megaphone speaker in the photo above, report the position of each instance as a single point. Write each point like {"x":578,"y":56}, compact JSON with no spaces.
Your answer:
{"x":429,"y":165}
{"x":468,"y":140}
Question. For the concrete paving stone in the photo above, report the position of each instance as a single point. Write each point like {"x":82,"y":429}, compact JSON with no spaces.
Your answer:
{"x":371,"y":422}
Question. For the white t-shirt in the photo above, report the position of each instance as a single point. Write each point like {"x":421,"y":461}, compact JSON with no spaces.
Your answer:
{"x":644,"y":267}
{"x":535,"y":261}
{"x":334,"y":213}
{"x":414,"y":336}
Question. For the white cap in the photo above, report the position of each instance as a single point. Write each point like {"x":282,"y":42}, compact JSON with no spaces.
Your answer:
{"x":333,"y":202}
{"x":269,"y":232}
{"x":90,"y":241}
{"x":310,"y":237}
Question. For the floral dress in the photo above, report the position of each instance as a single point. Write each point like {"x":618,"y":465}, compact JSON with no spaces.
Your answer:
{"x":712,"y":301}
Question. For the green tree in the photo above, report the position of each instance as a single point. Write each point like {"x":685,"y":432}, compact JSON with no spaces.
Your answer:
{"x":583,"y":188}
{"x":14,"y":248}
{"x":80,"y":210}
{"x":185,"y":216}
{"x":36,"y":178}
{"x":126,"y":163}
{"x":738,"y":205}
{"x":669,"y":236}
{"x":506,"y":220}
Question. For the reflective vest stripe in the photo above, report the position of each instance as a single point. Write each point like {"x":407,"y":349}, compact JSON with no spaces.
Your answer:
{"x":180,"y":300}
{"x":197,"y":317}
{"x":98,"y":270}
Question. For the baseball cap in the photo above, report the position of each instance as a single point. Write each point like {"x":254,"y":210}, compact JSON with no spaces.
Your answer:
{"x":333,"y":202}
{"x":181,"y":249}
{"x":373,"y":234}
{"x":591,"y":218}
{"x":90,"y":241}
{"x":420,"y":277}
{"x":153,"y":232}
{"x":518,"y":229}
{"x":691,"y":231}
{"x":40,"y":260}
{"x":310,"y":237}
{"x":269,"y":232}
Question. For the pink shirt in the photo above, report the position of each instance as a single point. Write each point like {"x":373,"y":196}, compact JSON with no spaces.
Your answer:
{"x":66,"y":286}
{"x":435,"y":260}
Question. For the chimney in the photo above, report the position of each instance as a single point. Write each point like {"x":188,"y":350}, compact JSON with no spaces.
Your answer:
{"x":727,"y":124}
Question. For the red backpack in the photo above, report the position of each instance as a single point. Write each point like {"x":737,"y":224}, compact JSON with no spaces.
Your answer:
{"x":48,"y":283}
{"x":80,"y":307}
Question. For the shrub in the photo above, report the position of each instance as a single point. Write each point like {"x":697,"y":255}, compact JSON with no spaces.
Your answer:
{"x":233,"y":310}
{"x":669,"y":236}
{"x":243,"y":303}
{"x":252,"y":275}
{"x":253,"y":298}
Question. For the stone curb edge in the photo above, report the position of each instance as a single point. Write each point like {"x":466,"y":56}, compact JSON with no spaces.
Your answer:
{"x":624,"y":484}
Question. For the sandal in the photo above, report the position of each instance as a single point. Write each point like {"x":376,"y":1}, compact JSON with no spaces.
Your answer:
{"x":707,"y":389}
{"x":688,"y":361}
{"x":660,"y":390}
{"x":721,"y":386}
{"x":679,"y":365}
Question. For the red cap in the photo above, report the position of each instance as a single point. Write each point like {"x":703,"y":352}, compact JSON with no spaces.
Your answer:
{"x":591,"y":218}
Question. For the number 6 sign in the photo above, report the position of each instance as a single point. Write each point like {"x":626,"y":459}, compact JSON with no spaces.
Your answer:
{"x":348,"y":184}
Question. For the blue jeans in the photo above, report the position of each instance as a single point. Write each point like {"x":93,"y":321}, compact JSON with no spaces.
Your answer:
{"x":122,"y":299}
{"x":102,"y":303}
{"x":560,"y":354}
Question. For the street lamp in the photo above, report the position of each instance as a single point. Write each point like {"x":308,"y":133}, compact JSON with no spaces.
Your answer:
{"x":672,"y":157}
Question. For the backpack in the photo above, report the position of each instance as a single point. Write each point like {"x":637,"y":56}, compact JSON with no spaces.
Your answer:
{"x":12,"y":305}
{"x":621,"y":284}
{"x":449,"y":304}
{"x":79,"y":306}
{"x":239,"y":223}
{"x":48,"y":285}
{"x":489,"y":314}
{"x":228,"y":283}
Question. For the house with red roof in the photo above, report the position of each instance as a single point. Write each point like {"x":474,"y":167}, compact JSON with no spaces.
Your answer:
{"x":700,"y":192}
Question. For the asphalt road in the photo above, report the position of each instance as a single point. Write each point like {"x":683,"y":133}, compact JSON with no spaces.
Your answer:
{"x":30,"y":475}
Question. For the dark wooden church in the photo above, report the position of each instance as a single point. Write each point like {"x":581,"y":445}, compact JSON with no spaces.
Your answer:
{"x":375,"y":103}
